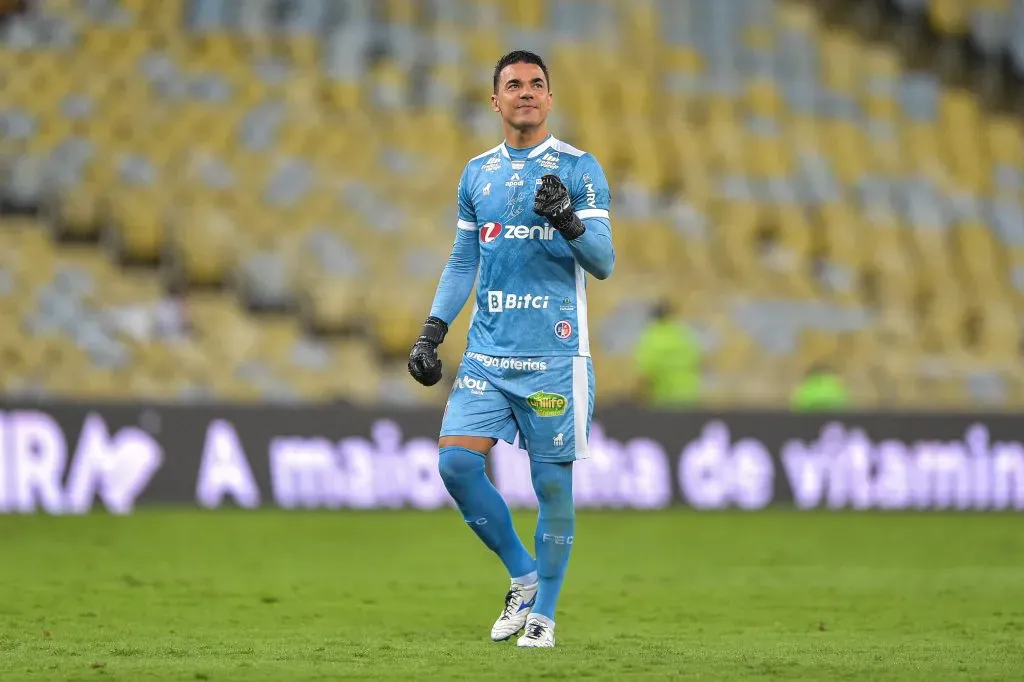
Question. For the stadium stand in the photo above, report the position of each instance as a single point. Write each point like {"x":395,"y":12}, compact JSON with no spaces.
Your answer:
{"x":208,"y":199}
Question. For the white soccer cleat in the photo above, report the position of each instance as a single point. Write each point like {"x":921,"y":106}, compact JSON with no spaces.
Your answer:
{"x":518,"y":602}
{"x":538,"y":635}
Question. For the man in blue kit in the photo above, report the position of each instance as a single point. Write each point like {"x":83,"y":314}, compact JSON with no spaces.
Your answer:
{"x":533,"y":222}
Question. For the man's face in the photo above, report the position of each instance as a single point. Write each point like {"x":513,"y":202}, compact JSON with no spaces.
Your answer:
{"x":523,"y":98}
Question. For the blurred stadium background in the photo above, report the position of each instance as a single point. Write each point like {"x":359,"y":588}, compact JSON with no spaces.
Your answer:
{"x":227,"y":200}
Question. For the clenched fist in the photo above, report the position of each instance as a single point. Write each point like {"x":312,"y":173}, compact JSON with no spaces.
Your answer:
{"x":552,"y":201}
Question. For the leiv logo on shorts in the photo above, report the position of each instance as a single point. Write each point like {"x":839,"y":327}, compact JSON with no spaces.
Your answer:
{"x":547,"y":404}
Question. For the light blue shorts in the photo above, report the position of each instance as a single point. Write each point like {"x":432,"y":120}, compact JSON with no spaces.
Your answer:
{"x":548,"y":401}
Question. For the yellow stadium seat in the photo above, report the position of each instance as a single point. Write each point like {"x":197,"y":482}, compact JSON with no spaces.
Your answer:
{"x":843,"y":237}
{"x":933,"y":251}
{"x":1005,"y":141}
{"x":136,"y":219}
{"x":763,"y":98}
{"x":923,"y":146}
{"x":948,"y":16}
{"x":278,"y":335}
{"x":769,"y":157}
{"x":202,"y":238}
{"x":980,"y":256}
{"x":882,"y":60}
{"x":358,"y":377}
{"x":331,"y":304}
{"x":845,"y":145}
{"x":616,"y":378}
{"x":77,"y":211}
{"x":528,"y":14}
{"x":840,"y":61}
{"x":1000,"y":334}
{"x":795,"y":233}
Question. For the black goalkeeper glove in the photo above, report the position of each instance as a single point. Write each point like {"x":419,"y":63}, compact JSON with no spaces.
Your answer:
{"x":552,"y":202}
{"x":424,"y":365}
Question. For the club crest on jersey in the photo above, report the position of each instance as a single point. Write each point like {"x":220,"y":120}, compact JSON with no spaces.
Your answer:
{"x":489,"y":232}
{"x":493,"y":164}
{"x":563,"y":329}
{"x":549,"y":161}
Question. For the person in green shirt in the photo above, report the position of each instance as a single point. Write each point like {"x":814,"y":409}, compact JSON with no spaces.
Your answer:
{"x":820,"y":390}
{"x":668,"y":356}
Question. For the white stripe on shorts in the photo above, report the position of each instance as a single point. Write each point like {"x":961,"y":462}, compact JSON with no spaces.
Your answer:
{"x":580,"y":405}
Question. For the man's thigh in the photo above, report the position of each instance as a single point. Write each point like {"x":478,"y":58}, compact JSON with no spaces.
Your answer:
{"x":554,"y":409}
{"x":476,"y":406}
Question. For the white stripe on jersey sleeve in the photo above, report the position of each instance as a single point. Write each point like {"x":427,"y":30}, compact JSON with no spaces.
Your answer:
{"x":582,"y":328}
{"x":566,"y":148}
{"x":542,"y":147}
{"x":580,"y":405}
{"x":466,"y":225}
{"x":593,"y":213}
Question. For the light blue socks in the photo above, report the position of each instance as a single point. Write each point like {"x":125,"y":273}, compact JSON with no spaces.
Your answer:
{"x":556,"y":525}
{"x":484,"y":509}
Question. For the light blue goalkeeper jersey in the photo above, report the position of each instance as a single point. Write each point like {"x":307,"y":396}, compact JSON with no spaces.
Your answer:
{"x":531,"y":293}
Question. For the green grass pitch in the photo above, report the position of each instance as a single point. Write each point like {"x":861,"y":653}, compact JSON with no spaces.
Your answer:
{"x":270,"y":595}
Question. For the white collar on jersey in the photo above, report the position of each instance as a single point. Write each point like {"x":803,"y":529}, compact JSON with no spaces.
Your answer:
{"x":536,"y":151}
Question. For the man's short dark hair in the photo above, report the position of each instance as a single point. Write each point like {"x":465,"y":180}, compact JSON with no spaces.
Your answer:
{"x":520,"y":57}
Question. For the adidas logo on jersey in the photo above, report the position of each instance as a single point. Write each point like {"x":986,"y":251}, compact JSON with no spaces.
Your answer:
{"x":549,"y":161}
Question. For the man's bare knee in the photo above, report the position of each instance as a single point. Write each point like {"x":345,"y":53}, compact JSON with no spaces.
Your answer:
{"x":481,"y":444}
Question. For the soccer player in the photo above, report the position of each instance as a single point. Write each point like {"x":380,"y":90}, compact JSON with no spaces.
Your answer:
{"x":533,"y":221}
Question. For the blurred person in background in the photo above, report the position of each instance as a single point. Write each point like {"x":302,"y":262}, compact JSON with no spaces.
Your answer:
{"x":821,"y":390}
{"x":533,"y":222}
{"x":668,"y":357}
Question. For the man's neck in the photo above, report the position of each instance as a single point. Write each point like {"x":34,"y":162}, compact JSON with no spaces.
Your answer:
{"x":524,"y":139}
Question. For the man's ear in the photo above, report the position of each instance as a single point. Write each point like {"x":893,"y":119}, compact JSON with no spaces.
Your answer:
{"x":494,"y":104}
